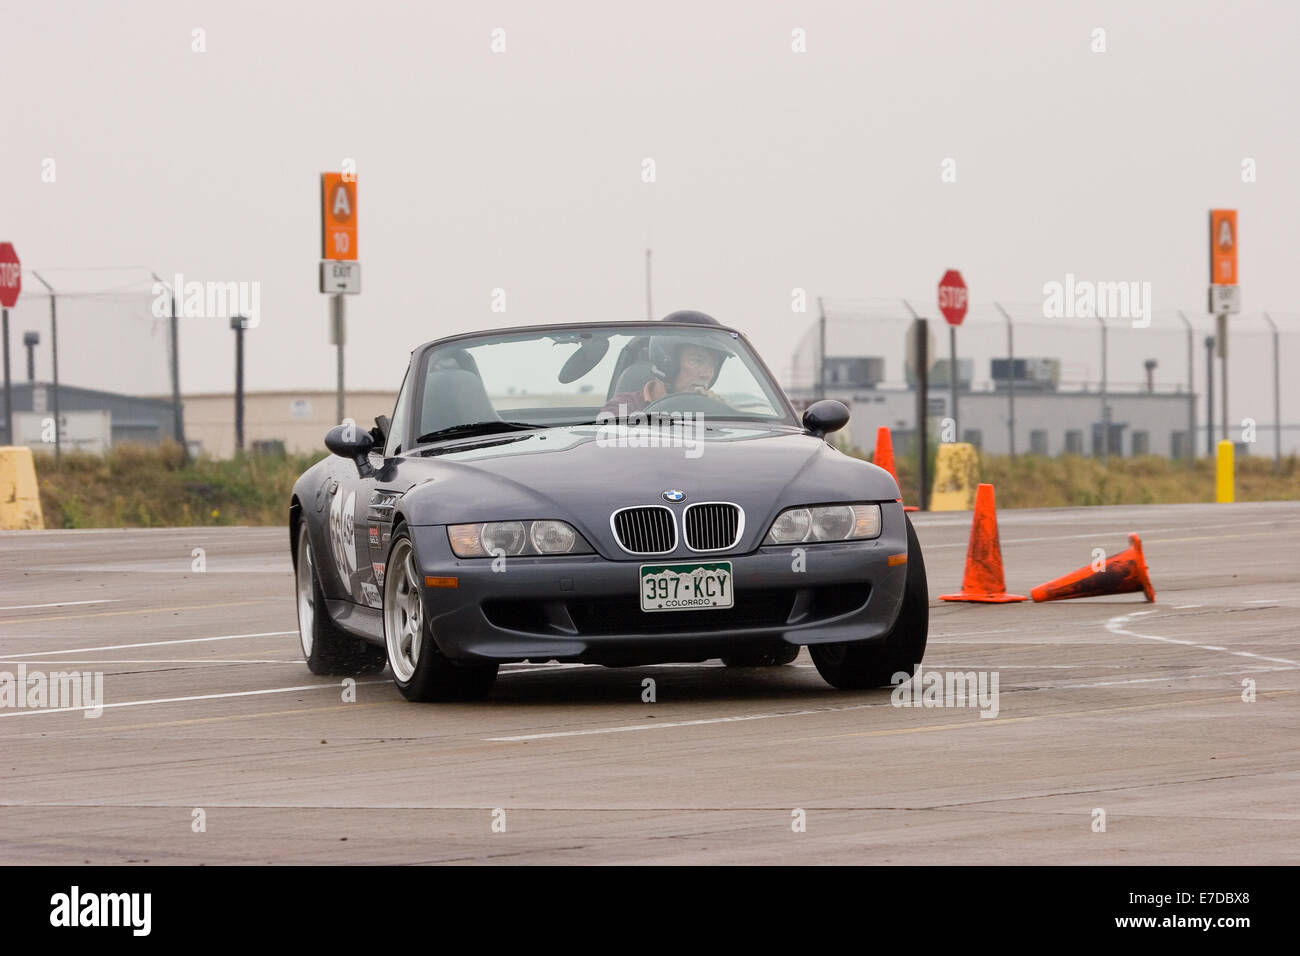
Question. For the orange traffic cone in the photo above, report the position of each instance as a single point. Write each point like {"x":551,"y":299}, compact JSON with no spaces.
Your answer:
{"x":983,"y":578}
{"x":884,"y":457}
{"x":1123,"y":573}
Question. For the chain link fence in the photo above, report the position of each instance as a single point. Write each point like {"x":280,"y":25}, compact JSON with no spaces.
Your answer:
{"x":1026,"y":382}
{"x":1143,"y":383}
{"x":104,"y":338}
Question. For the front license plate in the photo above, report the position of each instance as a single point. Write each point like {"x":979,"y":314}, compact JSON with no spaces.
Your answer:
{"x":686,"y":587}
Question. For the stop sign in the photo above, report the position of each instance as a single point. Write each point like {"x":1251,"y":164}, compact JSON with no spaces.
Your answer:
{"x":952,"y":297}
{"x":11,"y":276}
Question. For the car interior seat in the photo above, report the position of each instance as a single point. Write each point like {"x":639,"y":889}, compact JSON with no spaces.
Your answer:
{"x":454,"y":396}
{"x":635,"y":363}
{"x":634,"y":379}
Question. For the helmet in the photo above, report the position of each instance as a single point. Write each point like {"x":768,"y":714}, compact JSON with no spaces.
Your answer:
{"x":665,"y":350}
{"x":665,"y":355}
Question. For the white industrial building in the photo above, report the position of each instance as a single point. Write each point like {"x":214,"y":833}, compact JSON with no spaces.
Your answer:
{"x":1047,"y":421}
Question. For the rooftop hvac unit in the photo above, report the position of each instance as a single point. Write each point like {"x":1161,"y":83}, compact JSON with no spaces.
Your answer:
{"x":866,"y":371}
{"x":1030,"y":374}
{"x":940,"y":376}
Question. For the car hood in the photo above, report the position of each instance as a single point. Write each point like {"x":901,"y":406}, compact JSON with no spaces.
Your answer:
{"x":581,"y":474}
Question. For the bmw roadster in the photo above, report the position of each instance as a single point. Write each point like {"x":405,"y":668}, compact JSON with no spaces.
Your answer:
{"x":605,"y":493}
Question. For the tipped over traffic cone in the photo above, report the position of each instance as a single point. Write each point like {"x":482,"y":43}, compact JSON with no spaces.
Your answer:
{"x":1123,"y":573}
{"x":983,"y":578}
{"x":884,"y":458}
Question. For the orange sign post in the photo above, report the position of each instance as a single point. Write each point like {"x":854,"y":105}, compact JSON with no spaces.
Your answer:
{"x":340,"y":272}
{"x":338,"y":216}
{"x":1225,"y":295}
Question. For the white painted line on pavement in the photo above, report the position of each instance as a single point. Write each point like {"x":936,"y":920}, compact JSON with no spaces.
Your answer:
{"x":188,"y":530}
{"x":627,"y":728}
{"x":25,"y":607}
{"x":181,"y":700}
{"x":178,"y":660}
{"x":556,"y":666}
{"x":1116,"y":626}
{"x":182,"y":566}
{"x":1105,"y":533}
{"x":120,"y":647}
{"x":1170,"y":677}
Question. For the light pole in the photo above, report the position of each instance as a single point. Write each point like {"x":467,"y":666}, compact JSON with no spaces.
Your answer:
{"x":1105,"y":405}
{"x":821,"y":349}
{"x":1209,"y":395}
{"x":922,"y":361}
{"x":54,"y":359}
{"x":178,"y":415}
{"x":239,"y":323}
{"x":1191,"y":390}
{"x":1277,"y":398}
{"x":1011,"y":383}
{"x":30,"y":341}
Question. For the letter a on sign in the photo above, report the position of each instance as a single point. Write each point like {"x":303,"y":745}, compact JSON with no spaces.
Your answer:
{"x":338,"y":216}
{"x":342,"y":206}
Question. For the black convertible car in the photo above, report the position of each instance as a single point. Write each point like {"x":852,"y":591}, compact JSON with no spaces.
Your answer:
{"x":614,"y":494}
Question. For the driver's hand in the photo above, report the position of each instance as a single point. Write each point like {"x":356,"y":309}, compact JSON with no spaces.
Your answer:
{"x":708,"y":393}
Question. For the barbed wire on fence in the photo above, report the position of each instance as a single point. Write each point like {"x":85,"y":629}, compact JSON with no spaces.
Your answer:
{"x":1162,"y":352}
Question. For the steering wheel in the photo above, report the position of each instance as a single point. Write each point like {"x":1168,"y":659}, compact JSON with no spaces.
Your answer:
{"x":689,"y":402}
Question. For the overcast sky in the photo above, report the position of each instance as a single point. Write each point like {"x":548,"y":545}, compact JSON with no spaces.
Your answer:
{"x":522,"y":170}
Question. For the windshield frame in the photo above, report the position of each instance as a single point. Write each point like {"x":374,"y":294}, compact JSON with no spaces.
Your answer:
{"x":420,"y":358}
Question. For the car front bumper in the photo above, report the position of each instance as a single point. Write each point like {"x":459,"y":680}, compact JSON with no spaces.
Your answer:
{"x":587,"y":607}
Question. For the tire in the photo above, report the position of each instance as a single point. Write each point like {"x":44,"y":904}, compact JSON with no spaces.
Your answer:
{"x":420,"y":670}
{"x":856,"y":665}
{"x":767,"y":657}
{"x":328,"y":648}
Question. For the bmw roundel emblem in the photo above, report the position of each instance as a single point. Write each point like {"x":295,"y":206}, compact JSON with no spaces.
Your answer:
{"x":674,"y":495}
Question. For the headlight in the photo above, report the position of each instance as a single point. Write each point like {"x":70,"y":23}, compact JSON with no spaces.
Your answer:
{"x":552,"y":537}
{"x":826,"y":523}
{"x":515,"y":537}
{"x":507,"y":536}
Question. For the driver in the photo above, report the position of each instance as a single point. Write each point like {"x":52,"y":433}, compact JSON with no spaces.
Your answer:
{"x":678,"y":367}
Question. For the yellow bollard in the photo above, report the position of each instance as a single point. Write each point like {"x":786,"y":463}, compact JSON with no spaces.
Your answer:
{"x":956,"y":475}
{"x":1223,"y":473}
{"x":20,"y":497}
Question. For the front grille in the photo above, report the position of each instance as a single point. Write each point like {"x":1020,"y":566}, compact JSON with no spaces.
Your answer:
{"x":647,"y":530}
{"x":713,"y":526}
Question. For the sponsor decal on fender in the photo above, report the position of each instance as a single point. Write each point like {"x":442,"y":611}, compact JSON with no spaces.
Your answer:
{"x":343,"y":534}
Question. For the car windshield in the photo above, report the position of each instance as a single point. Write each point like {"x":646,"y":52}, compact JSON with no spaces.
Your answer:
{"x":570,"y":376}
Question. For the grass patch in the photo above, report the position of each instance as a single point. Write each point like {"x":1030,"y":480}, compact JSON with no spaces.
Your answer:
{"x":1035,"y":481}
{"x":135,"y":486}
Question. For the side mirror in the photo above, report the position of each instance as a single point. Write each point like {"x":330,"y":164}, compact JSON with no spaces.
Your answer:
{"x":352,"y":441}
{"x":825,"y":417}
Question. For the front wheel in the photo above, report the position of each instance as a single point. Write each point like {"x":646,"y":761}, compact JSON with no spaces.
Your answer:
{"x":857,"y":665}
{"x":328,"y":648}
{"x":420,"y":671}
